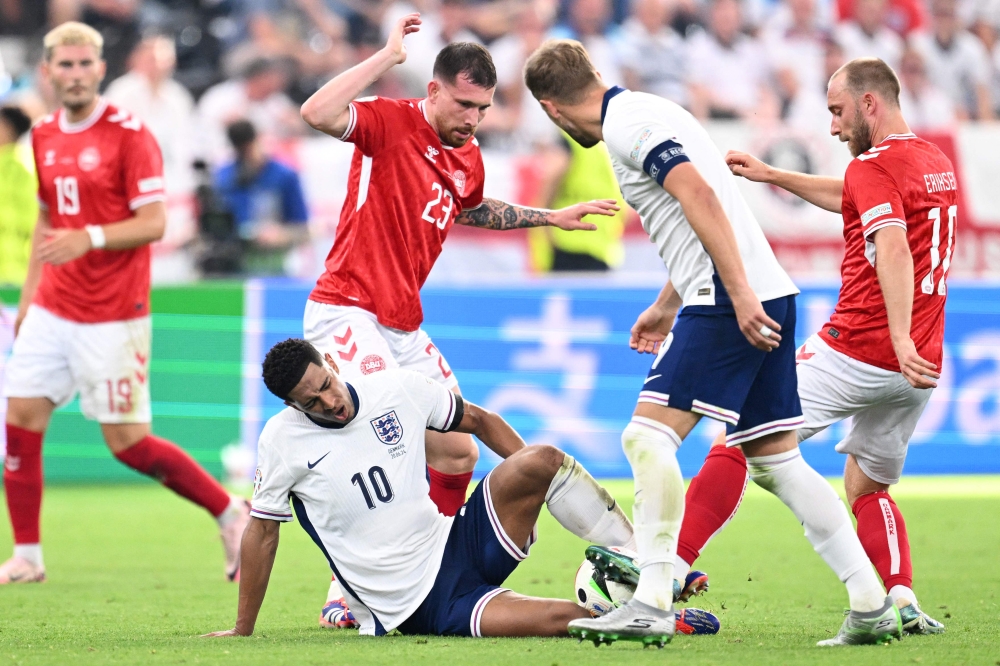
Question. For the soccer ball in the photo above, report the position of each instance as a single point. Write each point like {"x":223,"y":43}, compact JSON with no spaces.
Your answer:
{"x":597,"y":594}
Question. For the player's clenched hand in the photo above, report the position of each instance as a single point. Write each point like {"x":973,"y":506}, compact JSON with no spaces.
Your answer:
{"x":759,"y":329}
{"x":651,"y":329}
{"x":404,"y":26}
{"x":919,"y":372}
{"x":222,"y":634}
{"x":748,"y":166}
{"x":62,"y":245}
{"x":571,"y":217}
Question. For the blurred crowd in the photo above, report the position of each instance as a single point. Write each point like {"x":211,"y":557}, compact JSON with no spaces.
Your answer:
{"x":192,"y":68}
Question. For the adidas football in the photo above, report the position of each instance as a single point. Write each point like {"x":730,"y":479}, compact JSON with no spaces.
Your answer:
{"x":597,"y":594}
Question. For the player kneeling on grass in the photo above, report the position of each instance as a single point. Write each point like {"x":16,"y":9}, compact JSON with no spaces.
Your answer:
{"x":352,"y":458}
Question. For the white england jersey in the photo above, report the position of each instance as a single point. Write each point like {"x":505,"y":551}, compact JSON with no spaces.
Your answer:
{"x":361,"y":491}
{"x":647,"y":136}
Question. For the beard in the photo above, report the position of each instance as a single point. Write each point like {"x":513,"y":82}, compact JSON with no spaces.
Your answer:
{"x":861,"y":135}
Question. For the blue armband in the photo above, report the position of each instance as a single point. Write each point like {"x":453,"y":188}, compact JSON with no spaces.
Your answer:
{"x":663,"y":158}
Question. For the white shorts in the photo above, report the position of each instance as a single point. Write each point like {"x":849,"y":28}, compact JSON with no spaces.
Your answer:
{"x":107,"y":363}
{"x":884,"y":407}
{"x":360,"y":345}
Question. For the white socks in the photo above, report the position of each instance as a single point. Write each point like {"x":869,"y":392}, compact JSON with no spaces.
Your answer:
{"x":586,"y":509}
{"x":31,"y":552}
{"x":828,"y":527}
{"x":334,"y":592}
{"x":681,"y":569}
{"x":237,"y":505}
{"x":902,"y":592}
{"x":651,"y":449}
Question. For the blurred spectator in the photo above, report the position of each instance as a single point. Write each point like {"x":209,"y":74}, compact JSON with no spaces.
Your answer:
{"x":807,"y":110}
{"x":258,"y":96}
{"x":444,"y":21}
{"x":903,"y":16}
{"x":589,"y":22}
{"x":149,"y":91}
{"x":796,"y":53}
{"x":516,"y":121}
{"x":118,"y":23}
{"x":729,"y":70}
{"x":22,"y":18}
{"x":924,"y":105}
{"x":567,"y":174}
{"x":18,"y":196}
{"x":265,"y":198}
{"x":652,"y":55}
{"x":957,"y":61}
{"x":867,"y":35}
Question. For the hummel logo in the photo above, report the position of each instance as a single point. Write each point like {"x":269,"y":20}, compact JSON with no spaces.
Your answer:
{"x":651,"y":378}
{"x":431,"y":153}
{"x":311,"y":465}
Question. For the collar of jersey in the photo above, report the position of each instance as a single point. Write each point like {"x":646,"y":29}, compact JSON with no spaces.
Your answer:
{"x":85,"y":124}
{"x":337,"y":426}
{"x":611,"y":92}
{"x":900,"y":137}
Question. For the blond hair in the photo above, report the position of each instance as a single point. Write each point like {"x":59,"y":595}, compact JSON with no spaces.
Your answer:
{"x":560,"y":71}
{"x":72,"y":33}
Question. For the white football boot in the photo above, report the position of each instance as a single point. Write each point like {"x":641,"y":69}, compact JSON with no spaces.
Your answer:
{"x":20,"y":570}
{"x":879,"y":626}
{"x":632,"y":621}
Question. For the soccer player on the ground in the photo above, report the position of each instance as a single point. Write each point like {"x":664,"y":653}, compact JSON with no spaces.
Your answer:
{"x":877,"y":358}
{"x":83,"y":323}
{"x":351,"y":457}
{"x":416,"y":171}
{"x":724,"y":357}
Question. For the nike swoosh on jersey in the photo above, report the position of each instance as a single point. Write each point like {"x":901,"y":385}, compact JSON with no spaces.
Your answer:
{"x":311,"y":465}
{"x":649,"y":379}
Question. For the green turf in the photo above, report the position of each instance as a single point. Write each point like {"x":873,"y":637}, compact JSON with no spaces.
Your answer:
{"x":136,"y":574}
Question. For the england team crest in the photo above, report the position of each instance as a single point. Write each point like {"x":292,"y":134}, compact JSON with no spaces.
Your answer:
{"x":388,"y":429}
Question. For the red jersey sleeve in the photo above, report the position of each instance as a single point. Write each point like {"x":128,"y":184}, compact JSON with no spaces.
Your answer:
{"x":142,"y":169}
{"x":475,"y":197}
{"x":374,"y":122}
{"x":875,"y":195}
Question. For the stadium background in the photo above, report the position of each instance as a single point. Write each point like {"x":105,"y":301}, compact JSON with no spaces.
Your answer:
{"x":549,"y":353}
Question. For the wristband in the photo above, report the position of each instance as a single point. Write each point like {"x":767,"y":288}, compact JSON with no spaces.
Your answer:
{"x":96,"y":233}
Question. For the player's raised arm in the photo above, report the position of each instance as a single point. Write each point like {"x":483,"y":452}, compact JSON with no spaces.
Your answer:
{"x":260,"y":543}
{"x":327,"y":109}
{"x":491,"y":429}
{"x":822,"y":191}
{"x":496,"y":214}
{"x":705,"y":215}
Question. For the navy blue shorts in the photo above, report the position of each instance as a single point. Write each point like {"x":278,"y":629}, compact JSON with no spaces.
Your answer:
{"x":478,"y":558}
{"x":707,"y":366}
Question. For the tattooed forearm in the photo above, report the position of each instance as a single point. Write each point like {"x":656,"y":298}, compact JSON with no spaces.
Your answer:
{"x":496,"y":214}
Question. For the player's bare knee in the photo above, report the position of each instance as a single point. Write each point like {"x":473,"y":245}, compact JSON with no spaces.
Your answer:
{"x":540,"y":463}
{"x":29,"y":413}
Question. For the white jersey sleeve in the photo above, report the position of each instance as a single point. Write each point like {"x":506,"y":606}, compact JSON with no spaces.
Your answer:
{"x":649,"y":144}
{"x":272,"y":482}
{"x":444,"y":408}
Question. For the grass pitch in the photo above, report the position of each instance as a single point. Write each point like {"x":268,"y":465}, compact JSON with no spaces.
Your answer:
{"x":135,"y":575}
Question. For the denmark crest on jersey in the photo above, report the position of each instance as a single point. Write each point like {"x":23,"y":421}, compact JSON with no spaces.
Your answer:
{"x":459,"y":178}
{"x":387,"y":428}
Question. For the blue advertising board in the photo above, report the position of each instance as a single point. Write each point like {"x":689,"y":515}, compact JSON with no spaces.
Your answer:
{"x":552,"y":357}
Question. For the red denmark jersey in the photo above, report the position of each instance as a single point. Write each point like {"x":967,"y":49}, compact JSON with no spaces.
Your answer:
{"x":905,"y":182}
{"x":97,"y":171}
{"x":404,"y":191}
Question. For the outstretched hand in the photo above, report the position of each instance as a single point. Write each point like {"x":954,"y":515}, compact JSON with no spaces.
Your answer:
{"x":571,"y":217}
{"x":748,"y":166}
{"x":404,"y":26}
{"x":222,"y":634}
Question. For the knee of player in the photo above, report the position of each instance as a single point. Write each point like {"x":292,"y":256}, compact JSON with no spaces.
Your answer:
{"x":544,"y":460}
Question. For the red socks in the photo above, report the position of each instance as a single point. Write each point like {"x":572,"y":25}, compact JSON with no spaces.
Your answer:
{"x":448,"y":490}
{"x":174,"y":468}
{"x":883,"y":534}
{"x":712,"y":499}
{"x":22,"y":480}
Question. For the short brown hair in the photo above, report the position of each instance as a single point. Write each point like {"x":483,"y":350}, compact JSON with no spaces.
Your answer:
{"x":72,"y":33}
{"x":469,"y":60}
{"x":561,"y":71}
{"x":871,"y":75}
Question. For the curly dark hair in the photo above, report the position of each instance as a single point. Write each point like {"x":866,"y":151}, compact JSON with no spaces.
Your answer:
{"x":286,"y":363}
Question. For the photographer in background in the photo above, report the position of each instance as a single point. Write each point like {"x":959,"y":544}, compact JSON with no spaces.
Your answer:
{"x":266,"y":200}
{"x":18,"y":197}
